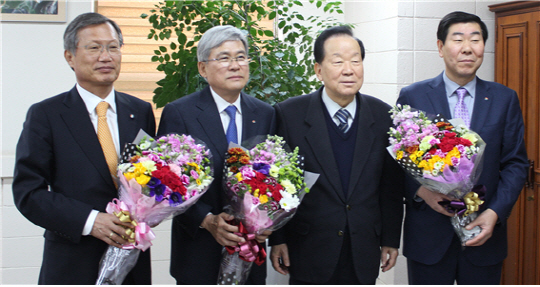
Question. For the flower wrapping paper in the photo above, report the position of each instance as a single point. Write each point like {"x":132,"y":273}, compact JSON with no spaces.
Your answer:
{"x":158,"y":179}
{"x":264,"y":186}
{"x":444,"y":156}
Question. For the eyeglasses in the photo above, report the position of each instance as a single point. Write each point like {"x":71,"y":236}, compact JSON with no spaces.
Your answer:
{"x":97,"y":49}
{"x":226,"y":61}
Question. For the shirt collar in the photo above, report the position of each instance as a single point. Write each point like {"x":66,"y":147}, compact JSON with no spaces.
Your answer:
{"x":223,"y":104}
{"x":452,"y":86}
{"x":91,"y":101}
{"x":333,"y":107}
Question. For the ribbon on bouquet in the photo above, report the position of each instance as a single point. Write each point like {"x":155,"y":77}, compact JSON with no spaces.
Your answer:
{"x":250,"y":250}
{"x":141,"y":236}
{"x":470,"y":203}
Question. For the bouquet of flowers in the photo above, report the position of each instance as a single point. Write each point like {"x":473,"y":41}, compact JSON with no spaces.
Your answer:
{"x":264,"y":185}
{"x":444,"y":156}
{"x":158,"y":179}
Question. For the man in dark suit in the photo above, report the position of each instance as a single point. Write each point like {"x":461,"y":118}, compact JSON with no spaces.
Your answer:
{"x":218,"y":114}
{"x":63,"y":178}
{"x":433,"y":250}
{"x":351,"y":219}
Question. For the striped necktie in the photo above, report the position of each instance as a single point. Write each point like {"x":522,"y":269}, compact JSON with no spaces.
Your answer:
{"x":343,"y":115}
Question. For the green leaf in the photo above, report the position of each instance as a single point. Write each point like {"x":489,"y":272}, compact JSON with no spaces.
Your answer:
{"x":269,"y":33}
{"x":162,"y":48}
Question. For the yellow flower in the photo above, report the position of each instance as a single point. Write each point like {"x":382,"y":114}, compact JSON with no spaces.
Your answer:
{"x":454,"y":153}
{"x":471,"y":137}
{"x":143,"y":179}
{"x":263,"y":199}
{"x":399,"y":154}
{"x":195,"y":165}
{"x":129,"y":175}
{"x":239,"y":176}
{"x":198,"y":181}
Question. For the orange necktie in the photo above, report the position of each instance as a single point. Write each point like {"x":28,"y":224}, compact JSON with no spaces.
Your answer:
{"x":105,"y":138}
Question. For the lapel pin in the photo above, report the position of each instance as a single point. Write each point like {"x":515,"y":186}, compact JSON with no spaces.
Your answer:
{"x":253,"y":121}
{"x":486,"y":98}
{"x":132,"y":116}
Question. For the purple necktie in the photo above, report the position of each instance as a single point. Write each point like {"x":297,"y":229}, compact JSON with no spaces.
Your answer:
{"x":461,"y":111}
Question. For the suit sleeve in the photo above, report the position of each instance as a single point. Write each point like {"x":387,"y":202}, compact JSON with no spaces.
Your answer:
{"x":172,"y":122}
{"x":513,"y":162}
{"x":151,"y":121}
{"x":34,"y":173}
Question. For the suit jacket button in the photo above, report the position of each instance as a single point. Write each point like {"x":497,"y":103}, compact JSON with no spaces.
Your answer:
{"x":349,"y":207}
{"x":340,"y":233}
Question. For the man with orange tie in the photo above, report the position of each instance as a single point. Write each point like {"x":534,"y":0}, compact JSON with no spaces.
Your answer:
{"x":67,"y":154}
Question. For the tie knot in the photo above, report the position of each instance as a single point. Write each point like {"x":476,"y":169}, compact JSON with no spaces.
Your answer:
{"x":343,"y":115}
{"x":461,"y":92}
{"x":231,"y":111}
{"x":101,"y":109}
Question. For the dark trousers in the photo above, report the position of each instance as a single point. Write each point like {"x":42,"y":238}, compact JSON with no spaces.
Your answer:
{"x":344,"y":274}
{"x":454,"y":266}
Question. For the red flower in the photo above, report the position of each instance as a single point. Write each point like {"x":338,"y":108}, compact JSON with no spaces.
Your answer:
{"x":169,"y":178}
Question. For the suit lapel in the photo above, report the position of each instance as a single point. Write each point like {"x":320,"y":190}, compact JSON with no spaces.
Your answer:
{"x":437,"y":97}
{"x":126,"y":115}
{"x":210,"y":120}
{"x":249,"y":117}
{"x":364,"y":143}
{"x":482,"y":102}
{"x":76,"y":118}
{"x":318,"y":140}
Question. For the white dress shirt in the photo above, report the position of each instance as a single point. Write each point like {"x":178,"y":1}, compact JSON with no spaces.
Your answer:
{"x":91,"y":101}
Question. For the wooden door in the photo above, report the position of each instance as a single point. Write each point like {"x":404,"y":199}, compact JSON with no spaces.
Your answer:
{"x":517,"y":56}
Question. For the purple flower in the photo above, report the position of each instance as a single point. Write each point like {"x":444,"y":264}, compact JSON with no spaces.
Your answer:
{"x":262,"y":167}
{"x":175,"y":199}
{"x":157,"y":189}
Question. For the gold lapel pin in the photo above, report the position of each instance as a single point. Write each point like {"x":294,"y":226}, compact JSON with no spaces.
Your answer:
{"x":486,"y":98}
{"x":253,"y":121}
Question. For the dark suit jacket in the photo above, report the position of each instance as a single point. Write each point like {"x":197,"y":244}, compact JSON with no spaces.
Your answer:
{"x":497,"y":119}
{"x":61,"y":175}
{"x":195,"y":254}
{"x":373,"y":208}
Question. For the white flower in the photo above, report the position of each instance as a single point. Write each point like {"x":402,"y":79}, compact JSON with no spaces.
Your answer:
{"x":288,"y":186}
{"x":274,"y":171}
{"x":124,"y":167}
{"x":288,"y":201}
{"x":145,"y":145}
{"x":471,"y":137}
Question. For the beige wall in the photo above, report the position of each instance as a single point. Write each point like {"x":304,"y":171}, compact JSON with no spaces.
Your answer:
{"x":400,"y":41}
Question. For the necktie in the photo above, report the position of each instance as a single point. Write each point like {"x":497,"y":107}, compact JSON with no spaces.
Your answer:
{"x":105,"y":138}
{"x":461,"y":111}
{"x":342,"y":115}
{"x":231,"y":129}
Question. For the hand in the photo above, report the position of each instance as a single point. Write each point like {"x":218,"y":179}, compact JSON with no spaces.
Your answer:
{"x":110,"y":229}
{"x":486,"y":220}
{"x":280,"y":258}
{"x":388,"y":258}
{"x":433,"y":198}
{"x":221,"y":230}
{"x":262,"y":237}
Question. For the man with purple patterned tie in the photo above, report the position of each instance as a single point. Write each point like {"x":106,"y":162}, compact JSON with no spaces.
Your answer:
{"x":433,"y":251}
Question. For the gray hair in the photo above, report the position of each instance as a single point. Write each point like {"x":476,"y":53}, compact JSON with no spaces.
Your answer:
{"x":71,"y":37}
{"x":215,"y":36}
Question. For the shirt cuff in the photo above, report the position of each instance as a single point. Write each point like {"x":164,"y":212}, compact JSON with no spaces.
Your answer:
{"x":90,"y":222}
